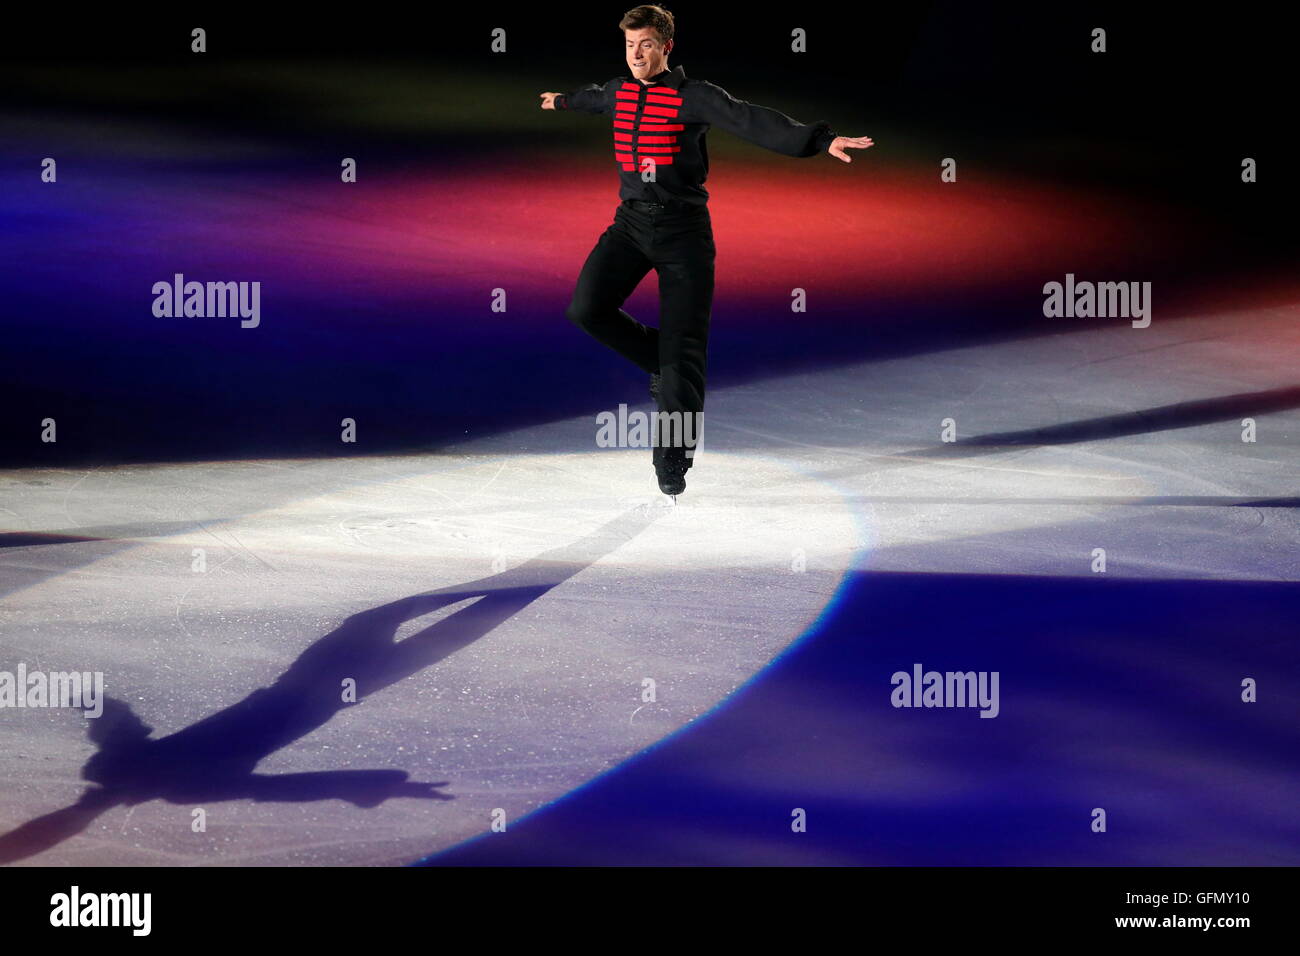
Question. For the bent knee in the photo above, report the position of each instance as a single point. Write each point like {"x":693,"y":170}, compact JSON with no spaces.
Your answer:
{"x":580,"y":314}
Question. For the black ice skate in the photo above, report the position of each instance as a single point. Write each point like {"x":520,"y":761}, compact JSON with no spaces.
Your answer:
{"x":670,"y":468}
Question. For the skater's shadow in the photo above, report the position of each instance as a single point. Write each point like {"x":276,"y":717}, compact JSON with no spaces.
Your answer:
{"x":214,"y":759}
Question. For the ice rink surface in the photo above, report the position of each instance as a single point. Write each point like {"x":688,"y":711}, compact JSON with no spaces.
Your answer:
{"x":502,"y":604}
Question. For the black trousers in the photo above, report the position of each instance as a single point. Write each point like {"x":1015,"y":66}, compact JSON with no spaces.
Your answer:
{"x":677,"y":242}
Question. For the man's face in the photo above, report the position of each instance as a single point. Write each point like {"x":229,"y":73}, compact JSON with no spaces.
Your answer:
{"x":646,"y":54}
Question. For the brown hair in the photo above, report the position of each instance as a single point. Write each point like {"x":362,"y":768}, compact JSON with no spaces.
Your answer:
{"x":649,"y":15}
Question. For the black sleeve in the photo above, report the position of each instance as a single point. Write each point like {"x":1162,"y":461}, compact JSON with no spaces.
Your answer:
{"x":758,"y":124}
{"x":591,"y":98}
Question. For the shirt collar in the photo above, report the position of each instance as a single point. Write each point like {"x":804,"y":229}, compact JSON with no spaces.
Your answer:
{"x":673,"y":78}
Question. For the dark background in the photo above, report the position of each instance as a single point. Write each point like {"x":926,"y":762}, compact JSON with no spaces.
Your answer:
{"x":1164,"y":116}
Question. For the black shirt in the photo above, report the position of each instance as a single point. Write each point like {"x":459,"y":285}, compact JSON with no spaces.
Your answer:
{"x":659,"y":129}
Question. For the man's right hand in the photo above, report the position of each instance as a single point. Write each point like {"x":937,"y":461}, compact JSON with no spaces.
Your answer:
{"x":548,"y":100}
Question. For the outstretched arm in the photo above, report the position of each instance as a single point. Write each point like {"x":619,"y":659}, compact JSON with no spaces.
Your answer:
{"x":771,"y":128}
{"x":587,"y":99}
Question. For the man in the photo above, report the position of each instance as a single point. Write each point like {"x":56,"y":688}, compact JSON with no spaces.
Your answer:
{"x":660,"y":118}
